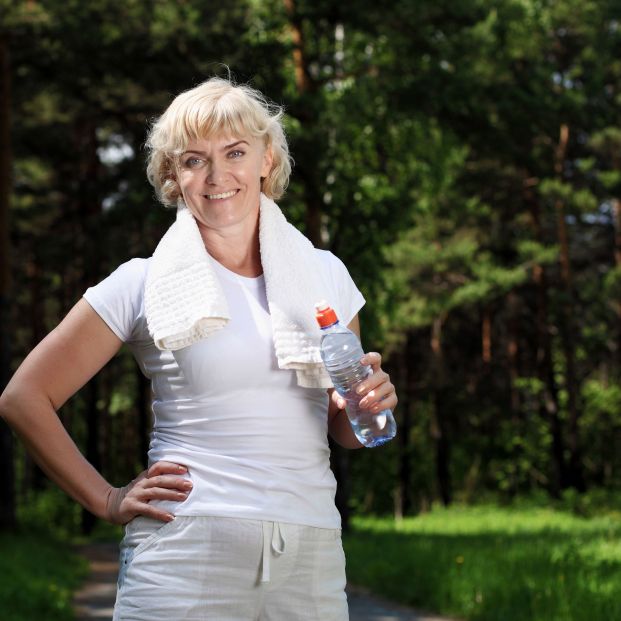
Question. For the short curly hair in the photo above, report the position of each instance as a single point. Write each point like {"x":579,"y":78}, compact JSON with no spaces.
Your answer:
{"x":217,"y":105}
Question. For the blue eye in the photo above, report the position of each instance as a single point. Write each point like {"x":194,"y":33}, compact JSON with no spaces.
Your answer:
{"x":236,"y":154}
{"x":193,"y":162}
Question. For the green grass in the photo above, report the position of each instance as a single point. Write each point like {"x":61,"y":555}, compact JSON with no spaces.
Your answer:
{"x":478,"y":563}
{"x":493,"y":564}
{"x":39,"y":576}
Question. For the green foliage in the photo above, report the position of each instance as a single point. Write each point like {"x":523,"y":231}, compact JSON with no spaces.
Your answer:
{"x":601,"y":399}
{"x":50,"y":511}
{"x":580,"y":199}
{"x":426,"y":141}
{"x":612,"y":283}
{"x":487,"y":563}
{"x":39,"y":576}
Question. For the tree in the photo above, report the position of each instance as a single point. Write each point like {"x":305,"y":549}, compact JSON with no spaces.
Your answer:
{"x":7,"y":498}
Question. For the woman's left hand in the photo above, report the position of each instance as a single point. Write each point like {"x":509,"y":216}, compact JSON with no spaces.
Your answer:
{"x":377,"y":390}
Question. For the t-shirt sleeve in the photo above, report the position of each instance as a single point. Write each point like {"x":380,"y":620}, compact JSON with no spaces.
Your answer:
{"x":118,"y":299}
{"x":348,"y":299}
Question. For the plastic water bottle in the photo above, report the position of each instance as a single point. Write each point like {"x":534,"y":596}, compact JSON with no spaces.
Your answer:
{"x":341,"y":353}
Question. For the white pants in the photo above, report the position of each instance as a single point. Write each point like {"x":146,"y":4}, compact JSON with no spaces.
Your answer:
{"x":226,"y":569}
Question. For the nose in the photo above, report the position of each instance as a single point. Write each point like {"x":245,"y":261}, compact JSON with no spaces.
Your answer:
{"x":215,"y":172}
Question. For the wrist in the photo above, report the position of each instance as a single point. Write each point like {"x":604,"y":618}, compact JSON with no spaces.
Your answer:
{"x":108,"y":505}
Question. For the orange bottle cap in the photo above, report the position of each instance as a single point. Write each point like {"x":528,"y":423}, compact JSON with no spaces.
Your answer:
{"x":324,"y":314}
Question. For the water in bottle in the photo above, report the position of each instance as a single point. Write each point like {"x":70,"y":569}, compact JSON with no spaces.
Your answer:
{"x":341,"y":353}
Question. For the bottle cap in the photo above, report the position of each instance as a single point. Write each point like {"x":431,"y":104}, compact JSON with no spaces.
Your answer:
{"x":324,"y":314}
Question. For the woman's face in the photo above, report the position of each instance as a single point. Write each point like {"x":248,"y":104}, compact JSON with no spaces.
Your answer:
{"x":220,"y":178}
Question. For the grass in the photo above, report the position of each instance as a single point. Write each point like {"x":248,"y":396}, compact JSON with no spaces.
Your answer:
{"x":493,"y":564}
{"x":478,"y":563}
{"x":39,"y":576}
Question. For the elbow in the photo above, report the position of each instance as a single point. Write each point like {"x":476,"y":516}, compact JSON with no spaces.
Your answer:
{"x":354,"y":444}
{"x":4,"y":413}
{"x":5,"y":406}
{"x":346,"y":441}
{"x":351,"y":445}
{"x":9,"y":405}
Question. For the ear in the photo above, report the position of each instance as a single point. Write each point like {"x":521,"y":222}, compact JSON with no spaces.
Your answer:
{"x":268,"y":161}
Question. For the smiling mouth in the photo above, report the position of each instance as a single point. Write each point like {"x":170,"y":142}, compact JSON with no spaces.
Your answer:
{"x":221,"y":196}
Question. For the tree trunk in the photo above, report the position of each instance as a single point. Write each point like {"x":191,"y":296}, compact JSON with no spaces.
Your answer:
{"x":548,"y":402}
{"x":89,"y":209}
{"x":406,"y":371}
{"x":306,"y":86}
{"x":486,"y":335}
{"x":314,"y":204}
{"x":512,"y":353}
{"x":439,"y":423}
{"x":512,"y":348}
{"x":616,"y":210}
{"x":7,"y":467}
{"x":566,"y":327}
{"x":303,"y":79}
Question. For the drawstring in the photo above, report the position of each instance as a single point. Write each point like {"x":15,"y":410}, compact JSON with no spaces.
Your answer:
{"x":281,"y":550}
{"x":278,"y":550}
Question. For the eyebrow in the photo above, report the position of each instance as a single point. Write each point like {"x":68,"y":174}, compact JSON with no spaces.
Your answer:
{"x":225,"y":148}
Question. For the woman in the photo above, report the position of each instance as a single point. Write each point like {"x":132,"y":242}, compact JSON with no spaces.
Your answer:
{"x":235,"y":518}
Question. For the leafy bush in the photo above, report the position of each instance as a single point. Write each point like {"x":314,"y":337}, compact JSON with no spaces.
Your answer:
{"x":50,"y":511}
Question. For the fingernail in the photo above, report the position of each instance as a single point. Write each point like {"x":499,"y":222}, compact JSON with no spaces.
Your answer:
{"x":188,"y":484}
{"x":170,"y":517}
{"x":181,"y":468}
{"x":360,"y":389}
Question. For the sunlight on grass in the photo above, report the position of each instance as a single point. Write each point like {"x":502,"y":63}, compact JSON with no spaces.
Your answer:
{"x":488,"y":563}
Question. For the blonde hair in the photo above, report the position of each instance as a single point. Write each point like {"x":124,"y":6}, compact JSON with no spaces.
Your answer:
{"x":212,"y":107}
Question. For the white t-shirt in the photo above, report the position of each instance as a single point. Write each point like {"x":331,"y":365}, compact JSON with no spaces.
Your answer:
{"x":255,"y":443}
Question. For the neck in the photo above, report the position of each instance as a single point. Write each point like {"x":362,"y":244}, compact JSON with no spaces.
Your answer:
{"x":237,"y":248}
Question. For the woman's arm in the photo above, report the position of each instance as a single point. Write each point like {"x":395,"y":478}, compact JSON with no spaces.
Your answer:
{"x":377,"y":387}
{"x":57,"y":368}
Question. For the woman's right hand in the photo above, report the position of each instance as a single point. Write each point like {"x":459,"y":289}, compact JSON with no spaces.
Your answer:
{"x":162,"y":481}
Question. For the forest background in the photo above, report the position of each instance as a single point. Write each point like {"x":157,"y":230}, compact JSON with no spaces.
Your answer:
{"x":462,"y":157}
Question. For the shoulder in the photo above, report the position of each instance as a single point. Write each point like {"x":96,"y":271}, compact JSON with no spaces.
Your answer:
{"x":119,"y":298}
{"x":346,"y":296}
{"x":134,"y":269}
{"x":330,"y":261}
{"x":334,"y":268}
{"x":127,"y":279}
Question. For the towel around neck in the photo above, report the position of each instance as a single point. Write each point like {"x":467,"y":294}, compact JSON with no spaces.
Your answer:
{"x":184,"y":301}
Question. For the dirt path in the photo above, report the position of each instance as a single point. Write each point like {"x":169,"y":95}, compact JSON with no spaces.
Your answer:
{"x":95,"y":600}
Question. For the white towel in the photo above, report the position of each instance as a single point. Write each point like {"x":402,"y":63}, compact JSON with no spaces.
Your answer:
{"x":184,"y":301}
